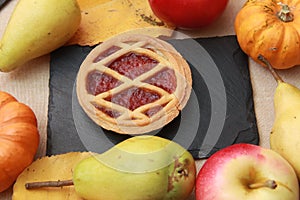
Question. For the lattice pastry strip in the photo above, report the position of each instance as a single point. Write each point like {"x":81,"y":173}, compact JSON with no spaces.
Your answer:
{"x":133,"y":84}
{"x":138,"y":116}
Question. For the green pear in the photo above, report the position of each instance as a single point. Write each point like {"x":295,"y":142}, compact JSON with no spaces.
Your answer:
{"x":35,"y":28}
{"x":139,"y":168}
{"x":286,"y":97}
{"x":285,"y":133}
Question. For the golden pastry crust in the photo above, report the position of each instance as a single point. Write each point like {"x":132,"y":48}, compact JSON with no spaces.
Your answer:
{"x":102,"y":109}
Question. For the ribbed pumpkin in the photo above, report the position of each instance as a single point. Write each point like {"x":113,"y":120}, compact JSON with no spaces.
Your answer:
{"x":270,"y":28}
{"x":19,"y":139}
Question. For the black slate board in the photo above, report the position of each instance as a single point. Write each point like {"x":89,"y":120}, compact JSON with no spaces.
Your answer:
{"x":3,"y":3}
{"x":219,"y":113}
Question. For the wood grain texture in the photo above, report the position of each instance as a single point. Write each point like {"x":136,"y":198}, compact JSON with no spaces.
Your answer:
{"x":30,"y":83}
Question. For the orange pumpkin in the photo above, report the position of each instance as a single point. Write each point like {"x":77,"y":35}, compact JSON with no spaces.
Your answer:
{"x":19,"y":139}
{"x":270,"y":28}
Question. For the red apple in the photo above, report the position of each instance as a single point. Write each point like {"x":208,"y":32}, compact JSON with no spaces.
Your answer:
{"x":188,"y":14}
{"x":244,"y":172}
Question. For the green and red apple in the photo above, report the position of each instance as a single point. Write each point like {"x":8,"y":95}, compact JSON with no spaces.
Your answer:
{"x":246,"y":172}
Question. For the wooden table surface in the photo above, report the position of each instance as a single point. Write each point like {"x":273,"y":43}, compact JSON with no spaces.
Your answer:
{"x":29,"y":84}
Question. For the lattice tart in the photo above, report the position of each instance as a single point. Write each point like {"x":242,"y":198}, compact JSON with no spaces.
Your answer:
{"x":133,"y":84}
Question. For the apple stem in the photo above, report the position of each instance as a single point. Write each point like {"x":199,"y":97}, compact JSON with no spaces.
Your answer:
{"x":271,"y":69}
{"x":269,"y":183}
{"x":36,"y":185}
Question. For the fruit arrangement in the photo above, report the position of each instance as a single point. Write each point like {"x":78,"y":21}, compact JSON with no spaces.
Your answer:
{"x":165,"y":170}
{"x":146,"y":167}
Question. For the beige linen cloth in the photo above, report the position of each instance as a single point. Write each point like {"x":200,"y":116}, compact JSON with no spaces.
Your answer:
{"x":29,"y":84}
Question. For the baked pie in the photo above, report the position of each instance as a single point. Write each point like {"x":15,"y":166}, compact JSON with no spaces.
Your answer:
{"x":133,"y":84}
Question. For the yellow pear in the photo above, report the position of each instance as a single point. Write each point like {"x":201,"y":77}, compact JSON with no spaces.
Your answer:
{"x":36,"y":28}
{"x":142,"y":167}
{"x":285,"y":134}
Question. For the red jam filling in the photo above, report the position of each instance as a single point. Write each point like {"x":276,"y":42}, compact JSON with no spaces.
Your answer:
{"x":134,"y":97}
{"x":111,"y":113}
{"x":106,"y":53}
{"x":164,"y":79}
{"x":98,"y":82}
{"x":153,"y":111}
{"x":133,"y":65}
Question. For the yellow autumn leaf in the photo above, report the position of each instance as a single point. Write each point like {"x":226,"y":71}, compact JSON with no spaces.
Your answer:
{"x":102,"y":19}
{"x":87,"y":4}
{"x":58,"y":167}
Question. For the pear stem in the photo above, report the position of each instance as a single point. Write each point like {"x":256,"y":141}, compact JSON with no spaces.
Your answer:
{"x":36,"y":185}
{"x":268,"y":183}
{"x":270,"y":67}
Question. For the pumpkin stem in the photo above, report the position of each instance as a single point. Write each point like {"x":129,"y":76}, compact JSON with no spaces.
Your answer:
{"x":271,"y":69}
{"x":285,"y":13}
{"x":36,"y":185}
